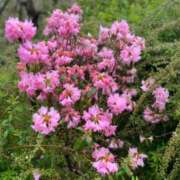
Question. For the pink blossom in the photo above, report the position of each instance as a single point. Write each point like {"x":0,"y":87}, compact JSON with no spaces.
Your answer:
{"x":130,"y":54}
{"x":135,"y":158}
{"x":36,"y":175}
{"x":161,"y":98}
{"x":119,"y":29}
{"x":104,"y":34}
{"x":98,"y":121}
{"x":153,"y":117}
{"x":104,"y":161}
{"x":45,"y":120}
{"x":70,"y":95}
{"x":147,"y":84}
{"x":116,"y":144}
{"x":108,"y":60}
{"x":117,"y":104}
{"x":104,"y":82}
{"x":71,"y":116}
{"x":34,"y":53}
{"x":63,"y":60}
{"x":63,"y":24}
{"x":75,"y":9}
{"x":87,"y":47}
{"x":18,"y":30}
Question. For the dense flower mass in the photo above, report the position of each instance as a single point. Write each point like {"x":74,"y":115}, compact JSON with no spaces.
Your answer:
{"x":89,"y":83}
{"x":104,"y":161}
{"x":45,"y":120}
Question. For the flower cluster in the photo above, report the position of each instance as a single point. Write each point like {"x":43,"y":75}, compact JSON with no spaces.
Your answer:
{"x":84,"y":81}
{"x":135,"y":158}
{"x":18,"y":30}
{"x":104,"y":161}
{"x":155,"y":113}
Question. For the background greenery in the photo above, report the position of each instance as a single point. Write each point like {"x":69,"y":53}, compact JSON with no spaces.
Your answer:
{"x":159,"y":22}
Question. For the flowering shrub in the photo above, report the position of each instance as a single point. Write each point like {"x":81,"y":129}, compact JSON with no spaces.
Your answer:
{"x":85,"y":82}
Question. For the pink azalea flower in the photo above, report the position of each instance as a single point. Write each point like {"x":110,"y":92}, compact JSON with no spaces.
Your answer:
{"x":71,"y":116}
{"x":117,"y":104}
{"x":34,"y":53}
{"x":136,"y":159}
{"x":45,"y":120}
{"x":119,"y":29}
{"x":36,"y":175}
{"x":70,"y":95}
{"x":104,"y":82}
{"x":75,"y":9}
{"x":147,"y":84}
{"x":98,"y":121}
{"x":108,"y":60}
{"x":116,"y":144}
{"x":18,"y":30}
{"x":87,"y":47}
{"x":153,"y":117}
{"x":130,"y":54}
{"x":104,"y":34}
{"x":104,"y":161}
{"x":62,"y":24}
{"x":161,"y":98}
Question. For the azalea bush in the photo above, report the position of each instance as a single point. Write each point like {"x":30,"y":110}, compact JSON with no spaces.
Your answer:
{"x":83,"y":90}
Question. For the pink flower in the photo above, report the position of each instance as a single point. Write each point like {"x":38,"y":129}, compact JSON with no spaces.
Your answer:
{"x":119,"y":29}
{"x":104,"y":82}
{"x":18,"y":30}
{"x":161,"y":98}
{"x":104,"y":161}
{"x":108,"y":60}
{"x":34,"y":53}
{"x":45,"y":120}
{"x":98,"y":121}
{"x":63,"y":24}
{"x":147,"y":84}
{"x":36,"y":175}
{"x":63,"y":60}
{"x":87,"y":47}
{"x":70,"y":95}
{"x":153,"y":117}
{"x":71,"y":116}
{"x":130,"y":54}
{"x":117,"y":104}
{"x":136,"y":159}
{"x":116,"y":144}
{"x":75,"y":9}
{"x":104,"y":34}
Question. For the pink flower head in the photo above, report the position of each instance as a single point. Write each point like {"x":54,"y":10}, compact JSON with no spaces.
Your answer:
{"x":45,"y":120}
{"x":130,"y":54}
{"x":116,"y":144}
{"x":104,"y":34}
{"x":70,"y":95}
{"x":153,"y":117}
{"x":161,"y":98}
{"x":36,"y":175}
{"x":119,"y":29}
{"x":71,"y":116}
{"x":75,"y":9}
{"x":136,"y":159}
{"x":108,"y":60}
{"x":104,"y":82}
{"x":98,"y":121}
{"x":147,"y":84}
{"x":104,"y":161}
{"x":63,"y":24}
{"x":51,"y":81}
{"x":34,"y":53}
{"x":87,"y":47}
{"x":18,"y":30}
{"x":117,"y":104}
